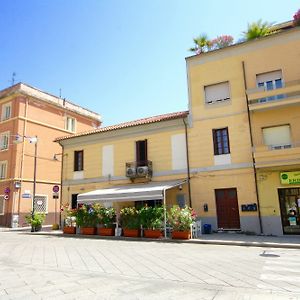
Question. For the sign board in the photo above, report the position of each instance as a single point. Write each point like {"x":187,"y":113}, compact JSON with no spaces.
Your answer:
{"x":28,"y":196}
{"x":6,"y":197}
{"x":55,"y":189}
{"x":290,"y":177}
{"x":55,"y":195}
{"x":39,"y":202}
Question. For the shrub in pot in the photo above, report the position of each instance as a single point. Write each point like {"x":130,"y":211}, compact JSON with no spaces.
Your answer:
{"x":152,"y":221}
{"x":107,"y":218}
{"x":87,"y":219}
{"x":69,"y":216}
{"x":36,"y":220}
{"x":130,"y":221}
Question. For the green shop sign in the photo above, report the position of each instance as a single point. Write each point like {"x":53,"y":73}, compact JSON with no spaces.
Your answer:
{"x":290,"y":177}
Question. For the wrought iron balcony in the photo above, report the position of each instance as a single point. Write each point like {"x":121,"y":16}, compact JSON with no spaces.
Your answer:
{"x":139,"y":169}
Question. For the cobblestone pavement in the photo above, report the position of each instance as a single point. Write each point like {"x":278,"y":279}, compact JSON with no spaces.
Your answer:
{"x":47,"y":267}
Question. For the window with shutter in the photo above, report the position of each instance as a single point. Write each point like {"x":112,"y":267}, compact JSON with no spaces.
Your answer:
{"x":78,"y":160}
{"x":3,"y":168}
{"x":217,"y":92}
{"x":221,"y":141}
{"x":6,"y":111}
{"x":278,"y":137}
{"x":4,"y":140}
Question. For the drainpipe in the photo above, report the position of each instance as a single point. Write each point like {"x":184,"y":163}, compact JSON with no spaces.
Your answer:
{"x":187,"y":161}
{"x":165,"y":214}
{"x":252,"y":147}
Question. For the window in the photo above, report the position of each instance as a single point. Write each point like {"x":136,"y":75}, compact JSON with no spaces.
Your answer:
{"x":3,"y":168}
{"x":6,"y":111}
{"x":217,"y":92}
{"x":141,"y":153}
{"x":270,"y":81}
{"x":70,"y":124}
{"x":4,"y":140}
{"x":278,"y":137}
{"x":2,"y":205}
{"x":221,"y":141}
{"x":78,"y":160}
{"x":41,"y":203}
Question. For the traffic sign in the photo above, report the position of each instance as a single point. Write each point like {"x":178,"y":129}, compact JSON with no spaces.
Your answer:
{"x":6,"y":197}
{"x":7,"y":190}
{"x":55,"y":189}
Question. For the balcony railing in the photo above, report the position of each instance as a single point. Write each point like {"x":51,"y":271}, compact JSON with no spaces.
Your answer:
{"x":139,"y":169}
{"x":289,"y":91}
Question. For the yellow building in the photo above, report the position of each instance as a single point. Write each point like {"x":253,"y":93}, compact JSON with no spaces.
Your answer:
{"x":147,"y":154}
{"x":244,"y":141}
{"x":234,"y":154}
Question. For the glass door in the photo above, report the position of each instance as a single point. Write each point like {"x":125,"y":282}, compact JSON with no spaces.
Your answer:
{"x":289,"y":200}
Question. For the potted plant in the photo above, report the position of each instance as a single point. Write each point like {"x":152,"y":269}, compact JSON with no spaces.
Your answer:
{"x":69,"y":220}
{"x":36,"y":220}
{"x":296,"y":18}
{"x":87,"y":219}
{"x":152,"y":221}
{"x":130,"y":221}
{"x":181,"y":219}
{"x":107,"y":218}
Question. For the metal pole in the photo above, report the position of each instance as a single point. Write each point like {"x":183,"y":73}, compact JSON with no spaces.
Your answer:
{"x":165,"y":214}
{"x":34,"y":181}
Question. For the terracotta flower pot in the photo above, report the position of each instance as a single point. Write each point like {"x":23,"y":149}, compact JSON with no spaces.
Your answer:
{"x":106,"y":231}
{"x":154,"y":234}
{"x":131,"y":232}
{"x":88,"y":230}
{"x":181,"y":235}
{"x":69,"y":230}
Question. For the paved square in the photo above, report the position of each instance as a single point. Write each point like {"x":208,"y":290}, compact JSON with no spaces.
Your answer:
{"x":47,"y":267}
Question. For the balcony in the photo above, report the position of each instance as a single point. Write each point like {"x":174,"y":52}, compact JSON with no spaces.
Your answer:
{"x":259,"y":98}
{"x":140,"y":169}
{"x":277,"y":155}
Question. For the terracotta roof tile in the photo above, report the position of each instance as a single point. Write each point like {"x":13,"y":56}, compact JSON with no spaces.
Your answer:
{"x":149,"y":120}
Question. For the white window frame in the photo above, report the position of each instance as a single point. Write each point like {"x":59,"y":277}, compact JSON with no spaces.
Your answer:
{"x":4,"y":135}
{"x":271,"y":76}
{"x":73,"y":126}
{"x":4,"y":111}
{"x":3,"y":206}
{"x":281,"y":145}
{"x":47,"y":199}
{"x":3,"y":162}
{"x":217,"y":100}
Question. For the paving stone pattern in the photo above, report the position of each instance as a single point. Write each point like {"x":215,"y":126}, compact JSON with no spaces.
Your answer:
{"x":48,"y":267}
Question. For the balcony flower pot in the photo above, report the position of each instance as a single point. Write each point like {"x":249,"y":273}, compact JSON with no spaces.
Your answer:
{"x":88,"y":230}
{"x":69,"y":230}
{"x":130,"y":232}
{"x":106,"y":231}
{"x":181,"y":235}
{"x":152,"y":233}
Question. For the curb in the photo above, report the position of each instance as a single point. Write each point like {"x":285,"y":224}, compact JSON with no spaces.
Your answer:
{"x":162,"y":240}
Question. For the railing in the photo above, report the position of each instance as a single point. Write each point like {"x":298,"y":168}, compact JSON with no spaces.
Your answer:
{"x":276,"y":147}
{"x":139,"y":169}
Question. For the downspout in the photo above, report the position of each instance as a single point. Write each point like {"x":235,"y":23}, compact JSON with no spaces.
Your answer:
{"x":187,"y":161}
{"x":252,"y":147}
{"x":165,"y":214}
{"x":61,"y":184}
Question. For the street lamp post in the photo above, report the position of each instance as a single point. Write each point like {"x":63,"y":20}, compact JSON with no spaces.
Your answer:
{"x":34,"y":179}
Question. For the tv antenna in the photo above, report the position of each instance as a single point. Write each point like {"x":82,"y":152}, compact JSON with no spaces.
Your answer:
{"x":13,"y":78}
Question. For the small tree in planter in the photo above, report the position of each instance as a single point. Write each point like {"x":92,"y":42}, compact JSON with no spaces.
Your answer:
{"x":130,"y":221}
{"x":87,"y":219}
{"x":181,"y":220}
{"x":152,"y":221}
{"x":221,"y":42}
{"x":36,"y":220}
{"x":107,"y":218}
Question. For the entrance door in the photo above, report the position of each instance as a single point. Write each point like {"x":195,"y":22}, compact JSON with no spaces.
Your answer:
{"x":227,"y":209}
{"x":289,"y":200}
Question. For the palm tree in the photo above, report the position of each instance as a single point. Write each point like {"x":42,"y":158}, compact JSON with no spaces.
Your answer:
{"x":257,"y":29}
{"x":201,"y":44}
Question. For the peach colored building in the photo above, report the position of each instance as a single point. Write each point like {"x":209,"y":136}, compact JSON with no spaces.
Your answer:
{"x":27,"y":113}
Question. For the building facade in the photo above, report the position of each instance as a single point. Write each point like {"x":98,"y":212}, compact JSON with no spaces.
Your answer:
{"x":237,"y":147}
{"x":30,"y":121}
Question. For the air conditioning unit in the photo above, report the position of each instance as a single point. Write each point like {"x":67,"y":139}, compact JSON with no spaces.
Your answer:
{"x":130,"y":172}
{"x":142,"y":171}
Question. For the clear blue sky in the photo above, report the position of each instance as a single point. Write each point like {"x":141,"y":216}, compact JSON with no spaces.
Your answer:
{"x":124,"y":59}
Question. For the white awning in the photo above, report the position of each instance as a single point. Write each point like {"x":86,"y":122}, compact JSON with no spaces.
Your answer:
{"x":131,"y":192}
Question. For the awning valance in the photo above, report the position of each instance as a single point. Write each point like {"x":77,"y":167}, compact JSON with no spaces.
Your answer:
{"x":131,"y":192}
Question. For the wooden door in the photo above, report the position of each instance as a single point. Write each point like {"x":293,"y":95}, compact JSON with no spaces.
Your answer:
{"x":227,"y":209}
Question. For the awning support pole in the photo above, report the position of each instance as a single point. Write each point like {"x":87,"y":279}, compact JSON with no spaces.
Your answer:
{"x":165,"y":214}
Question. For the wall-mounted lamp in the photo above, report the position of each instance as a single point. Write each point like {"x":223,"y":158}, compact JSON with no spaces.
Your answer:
{"x":180,"y":188}
{"x":55,"y":156}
